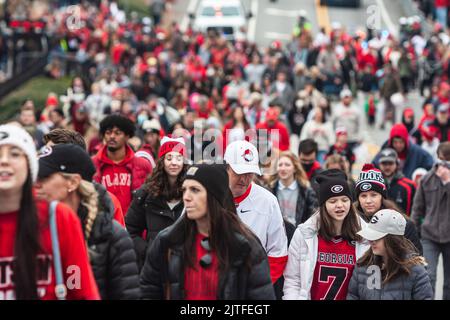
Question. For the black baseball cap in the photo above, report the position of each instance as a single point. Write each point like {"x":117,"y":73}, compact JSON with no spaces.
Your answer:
{"x":388,"y":155}
{"x":65,"y":158}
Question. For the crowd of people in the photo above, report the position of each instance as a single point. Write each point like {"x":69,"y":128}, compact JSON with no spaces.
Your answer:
{"x":180,"y":165}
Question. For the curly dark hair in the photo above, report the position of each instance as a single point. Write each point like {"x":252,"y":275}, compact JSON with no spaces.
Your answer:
{"x":118,"y":121}
{"x":157,"y":184}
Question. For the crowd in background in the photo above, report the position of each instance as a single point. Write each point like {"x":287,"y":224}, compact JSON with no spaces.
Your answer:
{"x":142,"y":90}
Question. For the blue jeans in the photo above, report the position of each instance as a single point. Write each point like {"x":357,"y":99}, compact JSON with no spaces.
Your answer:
{"x":431,"y":252}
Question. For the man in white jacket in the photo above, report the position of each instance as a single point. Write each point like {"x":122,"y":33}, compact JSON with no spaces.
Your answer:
{"x":256,"y":206}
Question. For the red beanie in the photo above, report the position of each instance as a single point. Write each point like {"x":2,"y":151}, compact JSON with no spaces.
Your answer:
{"x":170,"y":144}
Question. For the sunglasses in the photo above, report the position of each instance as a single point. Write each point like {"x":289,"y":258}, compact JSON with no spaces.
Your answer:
{"x":206,"y":260}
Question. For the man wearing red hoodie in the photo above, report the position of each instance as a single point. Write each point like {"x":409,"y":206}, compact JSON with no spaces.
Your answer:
{"x":411,"y":156}
{"x":118,"y":169}
{"x":277,"y":132}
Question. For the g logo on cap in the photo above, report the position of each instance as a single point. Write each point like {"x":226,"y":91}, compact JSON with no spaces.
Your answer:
{"x":248,"y":155}
{"x":45,"y":151}
{"x":337,"y":188}
{"x":365,"y":187}
{"x":4,"y":135}
{"x":374,"y":220}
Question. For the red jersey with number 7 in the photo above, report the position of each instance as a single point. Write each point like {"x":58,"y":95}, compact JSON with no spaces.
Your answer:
{"x":336,"y":260}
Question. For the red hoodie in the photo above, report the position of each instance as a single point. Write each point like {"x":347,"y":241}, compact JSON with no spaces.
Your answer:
{"x":122,"y":178}
{"x":74,"y":256}
{"x":283,"y":136}
{"x":400,"y":130}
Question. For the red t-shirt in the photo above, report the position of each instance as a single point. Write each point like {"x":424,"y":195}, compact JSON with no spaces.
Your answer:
{"x":202,"y":283}
{"x":335,"y":263}
{"x":74,"y":256}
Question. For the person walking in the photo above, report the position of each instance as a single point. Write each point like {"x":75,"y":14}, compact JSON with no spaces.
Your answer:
{"x":324,"y":249}
{"x":430,"y":213}
{"x":256,"y":206}
{"x":26,"y":253}
{"x":158,"y":203}
{"x":372,"y":196}
{"x":398,"y":271}
{"x":118,"y":169}
{"x":65,"y":175}
{"x":208,"y":254}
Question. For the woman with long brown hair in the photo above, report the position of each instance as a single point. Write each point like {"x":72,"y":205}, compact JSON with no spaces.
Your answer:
{"x":291,"y":186}
{"x":396,"y":271}
{"x":209,"y":253}
{"x":158,"y":204}
{"x":324,"y":250}
{"x":26,"y":243}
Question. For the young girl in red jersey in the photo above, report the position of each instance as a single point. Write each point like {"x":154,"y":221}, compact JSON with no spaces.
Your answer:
{"x":26,"y":254}
{"x":324,"y":250}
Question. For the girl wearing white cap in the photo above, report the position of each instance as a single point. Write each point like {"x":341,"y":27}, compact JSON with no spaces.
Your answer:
{"x":391,"y":270}
{"x":25,"y":238}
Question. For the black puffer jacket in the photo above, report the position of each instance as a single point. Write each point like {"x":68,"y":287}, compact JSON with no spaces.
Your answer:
{"x":163,"y":278}
{"x":150,"y":214}
{"x":307,"y":203}
{"x":111,"y":253}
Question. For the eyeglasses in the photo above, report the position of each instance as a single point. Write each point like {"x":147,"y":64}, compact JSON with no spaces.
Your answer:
{"x":206,"y":260}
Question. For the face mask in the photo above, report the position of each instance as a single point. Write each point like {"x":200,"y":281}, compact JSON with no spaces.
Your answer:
{"x":141,"y":118}
{"x":307,"y":167}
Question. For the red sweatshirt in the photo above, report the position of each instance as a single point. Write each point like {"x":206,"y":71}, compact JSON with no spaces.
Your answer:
{"x":73,"y":254}
{"x":121,"y":178}
{"x":282,"y":138}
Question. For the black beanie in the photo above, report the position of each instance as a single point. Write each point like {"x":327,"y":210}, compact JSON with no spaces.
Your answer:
{"x":214,"y":178}
{"x":371,"y":179}
{"x":332,"y":185}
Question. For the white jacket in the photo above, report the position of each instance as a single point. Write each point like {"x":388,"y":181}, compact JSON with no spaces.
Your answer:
{"x":302,"y":258}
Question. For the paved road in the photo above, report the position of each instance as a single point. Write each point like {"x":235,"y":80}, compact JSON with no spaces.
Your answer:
{"x":275,"y":21}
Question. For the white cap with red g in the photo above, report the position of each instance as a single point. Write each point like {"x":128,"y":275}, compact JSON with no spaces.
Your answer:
{"x":243,"y":157}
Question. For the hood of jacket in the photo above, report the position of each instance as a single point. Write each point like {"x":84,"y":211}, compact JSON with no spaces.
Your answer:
{"x":399,"y":130}
{"x":103,"y":156}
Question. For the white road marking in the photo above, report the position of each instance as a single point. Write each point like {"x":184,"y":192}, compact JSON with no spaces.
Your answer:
{"x":190,"y":9}
{"x":251,"y":32}
{"x":283,"y":13}
{"x":276,"y":35}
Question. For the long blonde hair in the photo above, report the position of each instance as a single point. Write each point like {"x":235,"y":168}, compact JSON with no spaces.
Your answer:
{"x":89,"y":199}
{"x":299,"y":174}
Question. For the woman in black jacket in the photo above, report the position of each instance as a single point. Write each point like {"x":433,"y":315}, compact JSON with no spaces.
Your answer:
{"x":371,"y":197}
{"x":157,"y":204}
{"x":65,"y":172}
{"x":208,"y":254}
